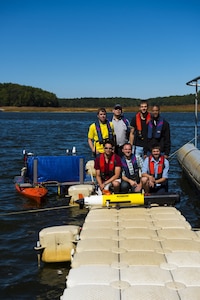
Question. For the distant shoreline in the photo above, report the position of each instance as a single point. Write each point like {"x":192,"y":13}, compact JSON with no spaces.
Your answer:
{"x":175,"y":108}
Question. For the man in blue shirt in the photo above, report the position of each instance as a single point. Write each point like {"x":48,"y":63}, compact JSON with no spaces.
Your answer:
{"x":155,"y":172}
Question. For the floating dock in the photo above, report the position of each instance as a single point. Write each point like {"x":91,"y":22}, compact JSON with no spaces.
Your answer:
{"x":135,"y":253}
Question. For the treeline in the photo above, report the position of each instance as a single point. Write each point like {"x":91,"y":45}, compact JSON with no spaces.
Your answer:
{"x":20,"y":95}
{"x":126,"y":102}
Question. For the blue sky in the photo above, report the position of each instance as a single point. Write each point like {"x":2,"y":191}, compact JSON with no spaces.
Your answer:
{"x":101,"y":48}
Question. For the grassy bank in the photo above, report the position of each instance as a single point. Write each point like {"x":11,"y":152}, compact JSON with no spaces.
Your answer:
{"x":175,"y":108}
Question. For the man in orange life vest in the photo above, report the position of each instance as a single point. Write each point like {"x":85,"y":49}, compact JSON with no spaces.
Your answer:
{"x":99,"y":132}
{"x":108,"y":169}
{"x":139,"y":129}
{"x":155,"y":172}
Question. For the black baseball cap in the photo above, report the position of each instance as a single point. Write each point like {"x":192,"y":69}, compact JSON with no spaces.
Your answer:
{"x":118,"y":106}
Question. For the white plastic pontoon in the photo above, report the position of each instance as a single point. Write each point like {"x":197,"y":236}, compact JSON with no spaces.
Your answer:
{"x":135,"y":253}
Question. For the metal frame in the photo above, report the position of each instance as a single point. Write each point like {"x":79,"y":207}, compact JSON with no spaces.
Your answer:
{"x":194,"y":82}
{"x":81,"y":175}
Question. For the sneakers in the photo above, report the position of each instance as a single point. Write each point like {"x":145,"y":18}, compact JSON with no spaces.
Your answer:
{"x":106,"y":192}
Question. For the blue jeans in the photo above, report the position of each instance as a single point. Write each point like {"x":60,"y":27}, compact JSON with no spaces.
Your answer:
{"x":138,"y":151}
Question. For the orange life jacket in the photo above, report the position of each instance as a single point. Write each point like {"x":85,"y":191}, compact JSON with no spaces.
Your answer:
{"x":139,"y":122}
{"x":160,"y":166}
{"x":111,"y":166}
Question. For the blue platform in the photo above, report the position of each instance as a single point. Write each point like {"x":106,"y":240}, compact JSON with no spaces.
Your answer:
{"x":56,"y":168}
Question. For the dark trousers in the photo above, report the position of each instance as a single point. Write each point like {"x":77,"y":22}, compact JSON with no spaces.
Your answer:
{"x":118,"y":150}
{"x":126,"y":188}
{"x":160,"y":189}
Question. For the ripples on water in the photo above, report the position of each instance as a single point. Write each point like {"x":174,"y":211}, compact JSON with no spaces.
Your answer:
{"x":52,"y":134}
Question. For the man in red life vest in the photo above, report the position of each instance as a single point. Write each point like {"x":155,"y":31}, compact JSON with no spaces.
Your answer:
{"x":139,"y":129}
{"x":155,"y":172}
{"x":108,"y":169}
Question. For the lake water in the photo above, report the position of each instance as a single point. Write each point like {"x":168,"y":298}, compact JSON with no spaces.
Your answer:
{"x":52,"y":134}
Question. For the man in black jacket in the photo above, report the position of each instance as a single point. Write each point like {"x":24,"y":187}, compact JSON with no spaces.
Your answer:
{"x":158,"y":133}
{"x":139,"y":127}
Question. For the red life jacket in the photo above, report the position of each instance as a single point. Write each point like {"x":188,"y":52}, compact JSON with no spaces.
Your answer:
{"x":106,"y":173}
{"x":160,"y":166}
{"x":139,"y":122}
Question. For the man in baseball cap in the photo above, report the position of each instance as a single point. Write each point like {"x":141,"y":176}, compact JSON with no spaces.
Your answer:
{"x":121,"y":128}
{"x":118,"y":106}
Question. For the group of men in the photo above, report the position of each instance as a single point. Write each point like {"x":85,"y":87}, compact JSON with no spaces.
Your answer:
{"x":119,"y":146}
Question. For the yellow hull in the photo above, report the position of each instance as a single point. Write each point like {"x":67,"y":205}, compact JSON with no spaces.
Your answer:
{"x":129,"y":199}
{"x":133,"y":199}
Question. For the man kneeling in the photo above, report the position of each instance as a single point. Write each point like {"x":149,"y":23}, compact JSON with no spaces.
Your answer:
{"x":155,"y":172}
{"x":108,"y":170}
{"x":130,"y":171}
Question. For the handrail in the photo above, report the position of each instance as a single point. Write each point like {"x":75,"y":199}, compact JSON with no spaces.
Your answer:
{"x":194,"y":82}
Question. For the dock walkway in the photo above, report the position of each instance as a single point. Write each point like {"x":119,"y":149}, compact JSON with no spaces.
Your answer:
{"x":135,"y":254}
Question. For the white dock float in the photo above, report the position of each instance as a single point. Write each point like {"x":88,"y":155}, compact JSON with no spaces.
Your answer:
{"x":135,"y":254}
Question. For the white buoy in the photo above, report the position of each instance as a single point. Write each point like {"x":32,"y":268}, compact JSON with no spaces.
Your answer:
{"x":74,"y":151}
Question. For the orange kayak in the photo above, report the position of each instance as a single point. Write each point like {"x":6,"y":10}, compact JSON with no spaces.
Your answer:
{"x":36,"y":193}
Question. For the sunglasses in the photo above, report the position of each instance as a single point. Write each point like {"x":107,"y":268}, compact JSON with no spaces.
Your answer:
{"x":108,"y":148}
